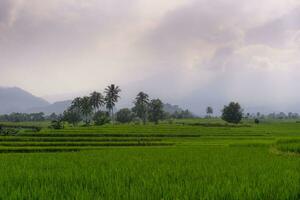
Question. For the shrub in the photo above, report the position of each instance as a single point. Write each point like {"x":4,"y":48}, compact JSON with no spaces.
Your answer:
{"x":256,"y":121}
{"x":137,"y":121}
{"x":124,"y":115}
{"x":71,"y":116}
{"x":101,"y":118}
{"x":56,"y":124}
{"x":8,"y":131}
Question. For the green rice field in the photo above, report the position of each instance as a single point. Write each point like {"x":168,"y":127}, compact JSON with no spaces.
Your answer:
{"x":185,"y":159}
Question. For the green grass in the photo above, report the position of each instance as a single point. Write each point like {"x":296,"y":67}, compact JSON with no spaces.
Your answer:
{"x":188,"y":159}
{"x":290,"y":145}
{"x":151,"y":173}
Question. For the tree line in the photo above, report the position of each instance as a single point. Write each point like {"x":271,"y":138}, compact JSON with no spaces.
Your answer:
{"x":28,"y":117}
{"x":99,"y":108}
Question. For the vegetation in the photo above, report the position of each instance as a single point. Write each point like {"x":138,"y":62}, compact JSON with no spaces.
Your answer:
{"x":187,"y":159}
{"x":141,"y":105}
{"x":209,"y":111}
{"x":156,"y":112}
{"x":24,"y":117}
{"x":185,"y":114}
{"x":111,"y":98}
{"x":101,"y":118}
{"x":96,"y":100}
{"x":72,"y":116}
{"x":57,"y":124}
{"x":125,"y":115}
{"x":232,"y":113}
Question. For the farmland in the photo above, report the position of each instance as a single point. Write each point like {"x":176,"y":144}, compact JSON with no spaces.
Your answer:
{"x":185,"y":159}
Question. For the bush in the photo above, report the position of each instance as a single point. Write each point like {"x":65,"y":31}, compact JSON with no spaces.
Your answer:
{"x":101,"y":118}
{"x":137,"y":121}
{"x":256,"y":121}
{"x":124,"y":115}
{"x":56,"y":124}
{"x":232,"y":113}
{"x":71,"y":116}
{"x":8,"y":131}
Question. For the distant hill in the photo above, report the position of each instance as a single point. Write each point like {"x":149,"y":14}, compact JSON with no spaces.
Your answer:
{"x":57,"y":107}
{"x":14,"y":99}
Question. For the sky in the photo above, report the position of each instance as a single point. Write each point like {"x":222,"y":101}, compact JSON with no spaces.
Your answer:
{"x":193,"y":53}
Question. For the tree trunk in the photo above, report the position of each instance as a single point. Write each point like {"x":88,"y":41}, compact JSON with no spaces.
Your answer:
{"x":112,"y":115}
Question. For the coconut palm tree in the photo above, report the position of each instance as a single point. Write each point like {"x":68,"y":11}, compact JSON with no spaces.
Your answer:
{"x":111,"y":98}
{"x":141,"y":106}
{"x":96,"y":100}
{"x":76,"y":104}
{"x":86,"y":108}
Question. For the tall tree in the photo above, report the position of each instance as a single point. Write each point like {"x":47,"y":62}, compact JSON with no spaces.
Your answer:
{"x":111,"y":98}
{"x":86,"y":108}
{"x":96,"y":100}
{"x":71,"y":116}
{"x":76,"y":104}
{"x":209,"y":111}
{"x":156,"y":112}
{"x":141,"y":104}
{"x":232,"y":113}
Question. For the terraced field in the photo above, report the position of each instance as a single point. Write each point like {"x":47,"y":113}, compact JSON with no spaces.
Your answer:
{"x":186,"y":160}
{"x":85,"y":138}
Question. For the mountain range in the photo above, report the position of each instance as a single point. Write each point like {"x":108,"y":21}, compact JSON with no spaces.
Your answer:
{"x":14,"y":99}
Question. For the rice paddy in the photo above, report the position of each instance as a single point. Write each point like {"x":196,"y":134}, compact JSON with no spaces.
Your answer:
{"x":192,"y":159}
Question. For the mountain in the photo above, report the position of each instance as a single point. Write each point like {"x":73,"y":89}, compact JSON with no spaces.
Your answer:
{"x":14,"y":99}
{"x":57,"y":107}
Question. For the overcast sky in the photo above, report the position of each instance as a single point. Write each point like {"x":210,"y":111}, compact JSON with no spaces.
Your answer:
{"x":188,"y":52}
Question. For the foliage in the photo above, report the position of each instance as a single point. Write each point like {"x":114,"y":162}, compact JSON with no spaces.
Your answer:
{"x":111,"y":98}
{"x":141,"y":105}
{"x":209,"y":110}
{"x":8,"y":131}
{"x":210,"y":158}
{"x":124,"y":115}
{"x":86,"y":108}
{"x":101,"y":118}
{"x":52,"y":117}
{"x":156,"y":112}
{"x":23,"y":117}
{"x":96,"y":100}
{"x":71,"y":116}
{"x":232,"y":113}
{"x":185,"y":114}
{"x":57,"y":124}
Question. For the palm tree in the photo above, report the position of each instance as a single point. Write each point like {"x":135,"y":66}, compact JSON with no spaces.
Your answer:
{"x":96,"y":100}
{"x":111,"y":98}
{"x":76,"y":104}
{"x":86,"y":108}
{"x":141,"y":106}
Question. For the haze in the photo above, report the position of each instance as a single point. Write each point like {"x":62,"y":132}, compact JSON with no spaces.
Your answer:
{"x":191,"y":53}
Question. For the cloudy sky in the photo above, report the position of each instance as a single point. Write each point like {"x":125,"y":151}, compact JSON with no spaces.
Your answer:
{"x":188,"y":52}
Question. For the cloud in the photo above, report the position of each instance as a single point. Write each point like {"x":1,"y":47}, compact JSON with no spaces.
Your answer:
{"x":191,"y":52}
{"x":278,"y":32}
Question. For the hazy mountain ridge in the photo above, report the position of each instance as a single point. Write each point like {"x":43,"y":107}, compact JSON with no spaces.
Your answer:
{"x":14,"y":99}
{"x":18,"y":100}
{"x":57,"y":107}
